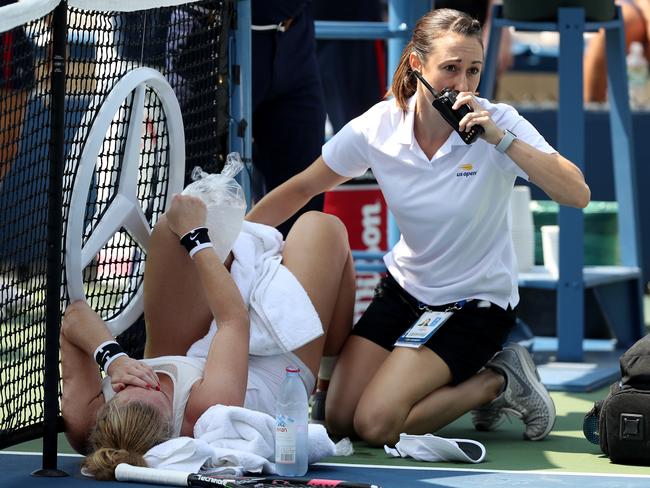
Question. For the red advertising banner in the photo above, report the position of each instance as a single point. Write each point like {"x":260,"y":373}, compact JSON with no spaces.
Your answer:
{"x":363,"y":210}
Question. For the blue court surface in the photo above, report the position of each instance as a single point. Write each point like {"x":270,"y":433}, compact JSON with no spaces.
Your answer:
{"x":18,"y":466}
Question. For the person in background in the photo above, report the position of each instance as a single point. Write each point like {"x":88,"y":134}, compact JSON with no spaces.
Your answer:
{"x":636,"y":18}
{"x":195,"y":79}
{"x":17,"y":76}
{"x":353,"y":72}
{"x":288,"y":106}
{"x":16,"y":81}
{"x":451,"y":202}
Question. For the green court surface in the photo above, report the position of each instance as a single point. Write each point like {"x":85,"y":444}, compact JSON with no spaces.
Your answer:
{"x":565,"y":450}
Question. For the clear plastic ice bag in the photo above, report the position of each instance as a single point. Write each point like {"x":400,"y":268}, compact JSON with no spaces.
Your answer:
{"x":225,"y":202}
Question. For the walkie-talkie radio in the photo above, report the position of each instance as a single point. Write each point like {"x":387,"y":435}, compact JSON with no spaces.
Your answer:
{"x":443,"y":101}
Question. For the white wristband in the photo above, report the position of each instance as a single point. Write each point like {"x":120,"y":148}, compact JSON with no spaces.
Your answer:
{"x":198,"y":248}
{"x":505,"y":142}
{"x":111,"y":359}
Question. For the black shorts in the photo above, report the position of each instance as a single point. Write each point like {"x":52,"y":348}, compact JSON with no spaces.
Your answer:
{"x":465,"y":342}
{"x":17,"y":55}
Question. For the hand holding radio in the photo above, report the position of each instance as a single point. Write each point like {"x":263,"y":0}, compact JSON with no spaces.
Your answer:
{"x":477,"y":116}
{"x":459,"y":112}
{"x":443,"y":102}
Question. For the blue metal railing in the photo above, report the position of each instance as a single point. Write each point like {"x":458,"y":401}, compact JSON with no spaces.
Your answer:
{"x":627,"y":321}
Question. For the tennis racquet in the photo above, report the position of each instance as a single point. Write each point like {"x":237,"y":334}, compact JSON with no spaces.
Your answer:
{"x":126,"y":472}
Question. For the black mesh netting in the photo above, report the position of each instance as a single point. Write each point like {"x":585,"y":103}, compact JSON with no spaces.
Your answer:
{"x":24,"y":168}
{"x":188,"y":45}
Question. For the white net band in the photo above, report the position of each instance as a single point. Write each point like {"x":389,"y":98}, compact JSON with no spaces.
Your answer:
{"x":16,"y":14}
{"x":24,"y":11}
{"x":125,"y":5}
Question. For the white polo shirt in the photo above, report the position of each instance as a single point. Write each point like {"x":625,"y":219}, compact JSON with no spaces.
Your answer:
{"x":453,"y":211}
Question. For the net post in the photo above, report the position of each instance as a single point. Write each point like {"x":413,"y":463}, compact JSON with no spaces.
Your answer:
{"x":54,"y":229}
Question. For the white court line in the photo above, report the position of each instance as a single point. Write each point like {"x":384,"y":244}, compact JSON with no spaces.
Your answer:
{"x":431,"y":468}
{"x":25,"y":453}
{"x":416,"y":468}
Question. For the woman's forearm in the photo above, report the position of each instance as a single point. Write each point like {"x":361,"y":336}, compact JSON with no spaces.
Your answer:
{"x":221,"y":292}
{"x":83,"y":328}
{"x":226,"y":369}
{"x":557,"y":176}
{"x":285,"y":200}
{"x":81,"y":392}
{"x":278,"y":205}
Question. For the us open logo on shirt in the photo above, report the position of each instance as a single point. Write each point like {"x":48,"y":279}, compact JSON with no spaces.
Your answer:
{"x":466,"y":170}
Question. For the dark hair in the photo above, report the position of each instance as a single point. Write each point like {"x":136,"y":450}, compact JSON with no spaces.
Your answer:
{"x":123,"y":433}
{"x":431,"y":26}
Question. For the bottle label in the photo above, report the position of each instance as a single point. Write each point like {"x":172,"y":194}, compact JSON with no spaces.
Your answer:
{"x":285,"y":440}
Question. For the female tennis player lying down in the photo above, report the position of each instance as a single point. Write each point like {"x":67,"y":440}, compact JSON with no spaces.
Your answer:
{"x":141,"y":403}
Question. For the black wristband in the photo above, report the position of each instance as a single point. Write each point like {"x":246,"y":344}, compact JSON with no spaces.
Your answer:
{"x":195,"y":240}
{"x":107,"y":352}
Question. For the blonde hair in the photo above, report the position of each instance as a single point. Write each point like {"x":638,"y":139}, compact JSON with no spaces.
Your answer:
{"x":123,"y":433}
{"x":431,"y":26}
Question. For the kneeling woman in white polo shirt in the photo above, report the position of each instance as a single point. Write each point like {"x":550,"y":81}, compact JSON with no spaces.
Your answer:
{"x":455,"y":260}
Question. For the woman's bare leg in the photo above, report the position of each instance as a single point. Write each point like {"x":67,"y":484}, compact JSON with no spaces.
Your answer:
{"x":424,"y":403}
{"x":317,"y":252}
{"x":176,"y":311}
{"x":595,"y":61}
{"x":355,"y":368}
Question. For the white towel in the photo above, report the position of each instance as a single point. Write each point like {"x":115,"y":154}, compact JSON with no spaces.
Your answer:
{"x":256,"y":246}
{"x":435,"y":449}
{"x":282,"y":317}
{"x":180,"y":453}
{"x":231,"y":437}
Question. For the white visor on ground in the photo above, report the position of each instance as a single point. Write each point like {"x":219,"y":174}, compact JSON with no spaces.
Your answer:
{"x":432,"y":448}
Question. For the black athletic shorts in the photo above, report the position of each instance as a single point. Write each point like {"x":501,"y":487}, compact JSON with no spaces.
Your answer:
{"x":465,"y":342}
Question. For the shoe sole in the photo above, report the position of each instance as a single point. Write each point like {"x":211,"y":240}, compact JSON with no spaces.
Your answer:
{"x":536,"y":384}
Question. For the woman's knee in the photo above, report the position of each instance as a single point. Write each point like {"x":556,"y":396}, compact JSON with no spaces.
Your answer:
{"x":161,"y":228}
{"x":338,"y":417}
{"x":163,"y":244}
{"x":323,"y":222}
{"x":378,"y":425}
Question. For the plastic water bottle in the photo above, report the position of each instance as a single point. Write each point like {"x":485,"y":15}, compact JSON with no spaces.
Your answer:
{"x":291,"y":442}
{"x":637,"y":75}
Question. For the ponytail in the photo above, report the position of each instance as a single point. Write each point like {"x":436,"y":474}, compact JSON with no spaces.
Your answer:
{"x":102,"y":462}
{"x":404,"y":83}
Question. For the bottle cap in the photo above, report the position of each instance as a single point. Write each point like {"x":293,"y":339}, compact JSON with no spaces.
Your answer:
{"x":292,"y":369}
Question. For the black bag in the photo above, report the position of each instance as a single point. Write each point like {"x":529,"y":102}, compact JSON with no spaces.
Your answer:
{"x":623,"y":417}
